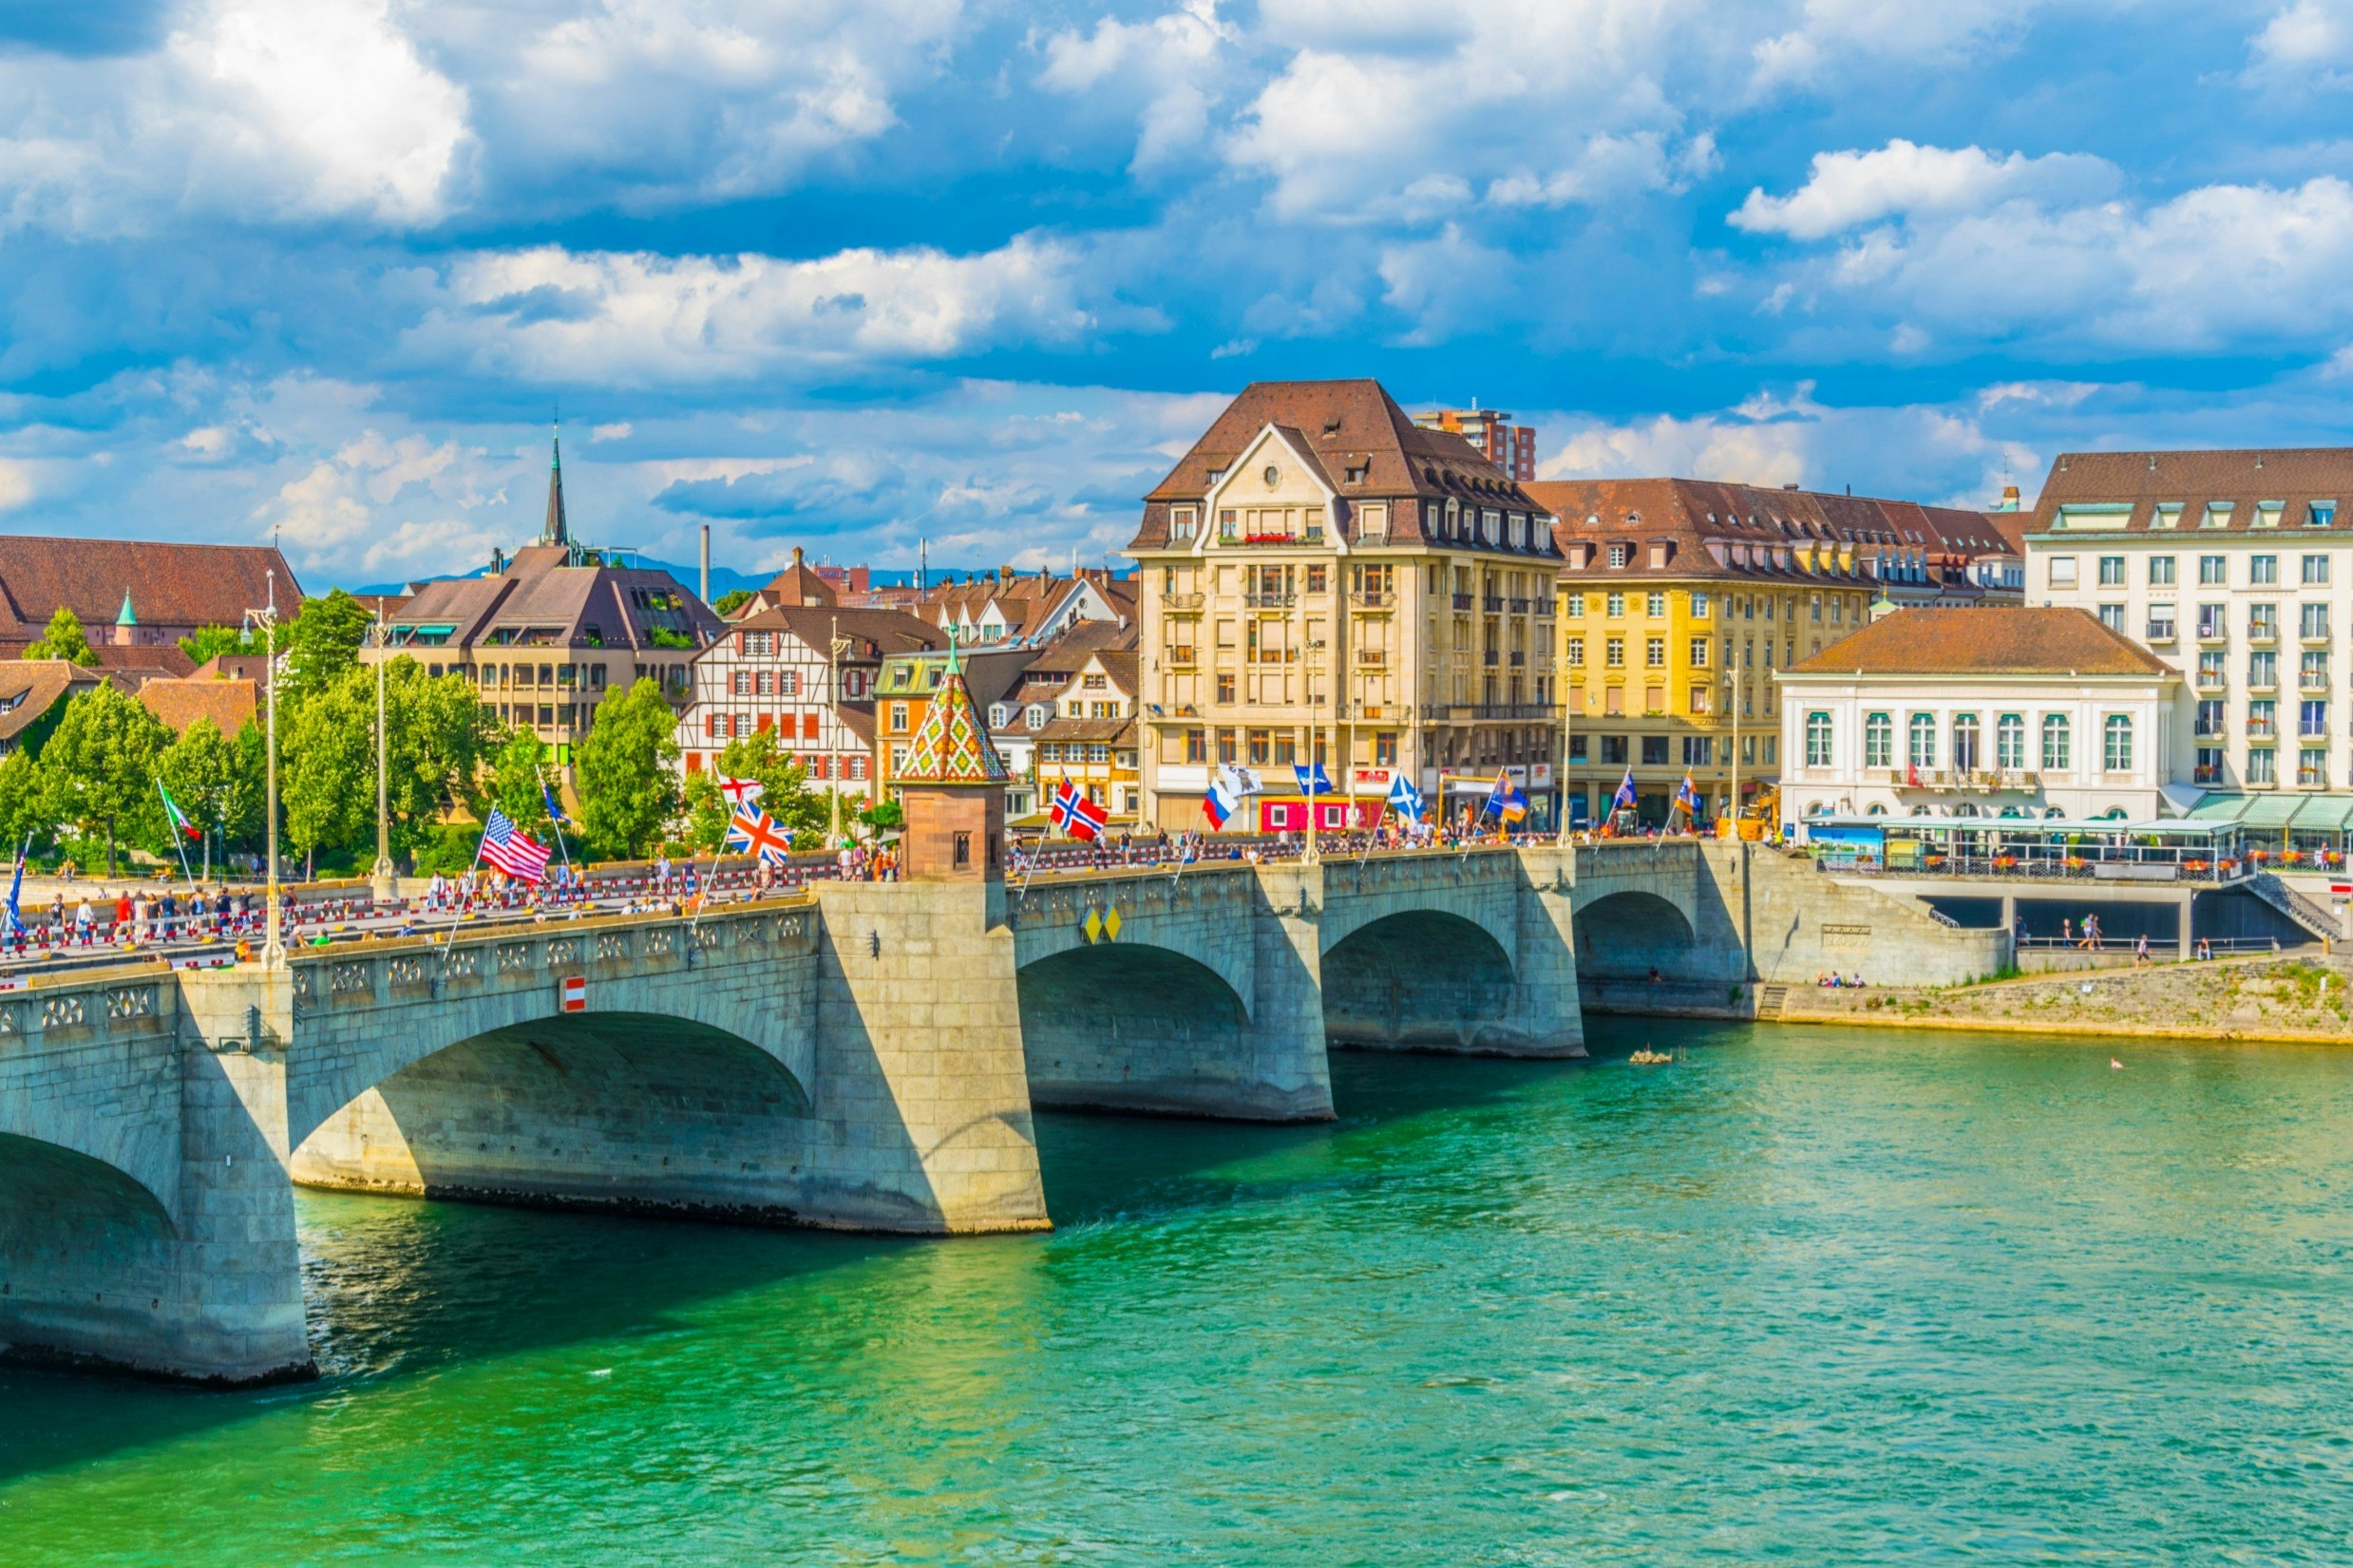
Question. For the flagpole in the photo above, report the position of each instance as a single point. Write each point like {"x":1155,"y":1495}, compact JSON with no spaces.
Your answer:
{"x":178,"y":843}
{"x":556,"y":823}
{"x":451,"y":935}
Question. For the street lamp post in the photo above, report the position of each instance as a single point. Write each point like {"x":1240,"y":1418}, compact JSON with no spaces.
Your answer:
{"x":381,"y":883}
{"x":272,"y":942}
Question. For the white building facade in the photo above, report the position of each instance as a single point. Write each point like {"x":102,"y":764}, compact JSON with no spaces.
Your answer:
{"x":2230,"y":567}
{"x":1936,"y":714}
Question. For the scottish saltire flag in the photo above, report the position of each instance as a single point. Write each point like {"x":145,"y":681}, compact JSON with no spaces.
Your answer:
{"x":762,"y":833}
{"x":511,"y":850}
{"x":1313,"y":780}
{"x":1625,"y":791}
{"x":1078,"y":816}
{"x":1404,"y":799}
{"x":1506,"y":800}
{"x":178,"y":818}
{"x":1688,"y":796}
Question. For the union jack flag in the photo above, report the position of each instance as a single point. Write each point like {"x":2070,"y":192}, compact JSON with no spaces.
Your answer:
{"x":742,"y":795}
{"x":1078,"y":816}
{"x":761,"y":834}
{"x":512,"y":850}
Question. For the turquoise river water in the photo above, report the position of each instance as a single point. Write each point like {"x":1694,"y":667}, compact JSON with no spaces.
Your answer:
{"x":1808,"y":1297}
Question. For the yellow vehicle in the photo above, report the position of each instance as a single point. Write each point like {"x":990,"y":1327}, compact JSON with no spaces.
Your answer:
{"x":1758,"y":818}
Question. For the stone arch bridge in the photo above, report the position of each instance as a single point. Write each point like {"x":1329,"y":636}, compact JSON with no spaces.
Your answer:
{"x":866,"y":1057}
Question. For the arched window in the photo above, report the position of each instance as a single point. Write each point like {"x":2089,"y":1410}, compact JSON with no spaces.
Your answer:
{"x":1922,"y":810}
{"x":1815,"y":809}
{"x":1878,"y":741}
{"x":2052,"y":813}
{"x":1817,"y":740}
{"x":1965,"y":743}
{"x":1966,"y":808}
{"x":1923,"y":752}
{"x":2011,"y":811}
{"x":2115,"y":747}
{"x":2010,"y":742}
{"x":2057,"y":754}
{"x":1876,"y":810}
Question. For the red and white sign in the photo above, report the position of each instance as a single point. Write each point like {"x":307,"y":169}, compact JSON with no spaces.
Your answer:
{"x":574,"y":993}
{"x":2341,"y":889}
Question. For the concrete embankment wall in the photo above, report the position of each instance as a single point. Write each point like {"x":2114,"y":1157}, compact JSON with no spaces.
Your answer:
{"x":2298,"y":998}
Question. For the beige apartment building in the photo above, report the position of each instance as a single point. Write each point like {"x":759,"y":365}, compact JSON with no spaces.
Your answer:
{"x":1322,"y":579}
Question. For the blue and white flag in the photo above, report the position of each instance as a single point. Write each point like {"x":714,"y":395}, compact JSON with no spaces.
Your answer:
{"x":1625,"y":792}
{"x":1404,"y":799}
{"x":1313,"y":780}
{"x":17,"y":886}
{"x":555,"y":812}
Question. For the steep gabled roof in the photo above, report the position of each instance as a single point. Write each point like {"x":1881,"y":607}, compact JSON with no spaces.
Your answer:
{"x":952,"y":746}
{"x":176,"y":584}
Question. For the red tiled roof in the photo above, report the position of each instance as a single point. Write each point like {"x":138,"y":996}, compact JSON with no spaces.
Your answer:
{"x":170,"y":585}
{"x":2293,"y":477}
{"x":30,"y":687}
{"x":2012,"y":641}
{"x":228,"y":704}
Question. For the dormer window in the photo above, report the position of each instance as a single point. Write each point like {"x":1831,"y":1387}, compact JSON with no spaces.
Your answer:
{"x":1000,"y":715}
{"x":1040,"y":713}
{"x":1217,"y":477}
{"x":1617,"y":558}
{"x":1357,"y":472}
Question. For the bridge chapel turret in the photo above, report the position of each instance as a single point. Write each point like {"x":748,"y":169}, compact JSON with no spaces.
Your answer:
{"x":952,"y":787}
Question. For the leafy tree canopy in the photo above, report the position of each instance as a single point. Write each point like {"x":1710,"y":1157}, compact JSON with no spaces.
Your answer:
{"x":788,"y":797}
{"x":627,"y":769}
{"x":100,"y":766}
{"x":63,"y":639}
{"x":323,"y":641}
{"x":209,"y":642}
{"x":732,"y":600}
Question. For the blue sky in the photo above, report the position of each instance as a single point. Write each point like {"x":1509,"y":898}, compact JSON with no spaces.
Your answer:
{"x":848,"y":273}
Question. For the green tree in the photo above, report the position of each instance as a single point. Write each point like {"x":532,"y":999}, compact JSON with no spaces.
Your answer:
{"x":24,"y":804}
{"x":218,"y":779}
{"x":787,"y":797}
{"x":63,"y":639}
{"x":732,"y":600}
{"x":327,"y":768}
{"x":517,"y":769}
{"x":627,"y":769}
{"x":323,"y":642}
{"x":100,"y":766}
{"x":441,"y":736}
{"x":884,"y":816}
{"x":209,"y":642}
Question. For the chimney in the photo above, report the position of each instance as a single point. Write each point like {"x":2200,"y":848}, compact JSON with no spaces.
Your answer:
{"x":498,"y":560}
{"x":2009,"y":497}
{"x":706,"y":564}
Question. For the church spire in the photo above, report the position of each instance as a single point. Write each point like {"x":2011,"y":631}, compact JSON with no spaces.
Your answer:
{"x":553,"y":532}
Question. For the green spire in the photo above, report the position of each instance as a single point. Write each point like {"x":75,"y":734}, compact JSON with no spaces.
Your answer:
{"x":555,"y":531}
{"x":126,"y":617}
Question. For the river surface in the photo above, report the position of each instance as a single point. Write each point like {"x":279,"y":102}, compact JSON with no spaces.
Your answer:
{"x":1811,"y":1295}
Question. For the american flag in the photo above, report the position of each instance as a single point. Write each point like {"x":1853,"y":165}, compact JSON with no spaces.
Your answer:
{"x":512,"y":850}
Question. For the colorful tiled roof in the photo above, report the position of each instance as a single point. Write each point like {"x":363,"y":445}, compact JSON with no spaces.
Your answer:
{"x":950,"y":745}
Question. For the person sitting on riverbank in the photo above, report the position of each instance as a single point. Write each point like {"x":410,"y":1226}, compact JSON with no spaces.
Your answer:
{"x":2206,"y":950}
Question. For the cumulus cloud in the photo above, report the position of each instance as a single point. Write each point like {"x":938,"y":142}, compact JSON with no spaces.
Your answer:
{"x":2310,"y":41}
{"x":652,"y":103}
{"x":253,"y":108}
{"x":1832,"y":37}
{"x":1169,"y":63}
{"x":547,"y":314}
{"x":16,"y":486}
{"x":1848,"y":189}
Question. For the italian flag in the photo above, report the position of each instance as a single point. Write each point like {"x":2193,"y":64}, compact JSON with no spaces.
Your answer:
{"x":180,"y":818}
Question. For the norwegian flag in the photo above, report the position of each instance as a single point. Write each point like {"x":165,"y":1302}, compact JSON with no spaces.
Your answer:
{"x":512,"y":850}
{"x":761,"y":834}
{"x":1078,"y":816}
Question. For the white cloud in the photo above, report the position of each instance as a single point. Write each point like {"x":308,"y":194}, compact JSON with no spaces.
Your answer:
{"x":1848,"y":189}
{"x":1170,"y":63}
{"x":2311,"y":40}
{"x":620,"y":430}
{"x":1834,"y":37}
{"x":631,"y":318}
{"x":16,"y":486}
{"x":254,"y":109}
{"x":657,"y":102}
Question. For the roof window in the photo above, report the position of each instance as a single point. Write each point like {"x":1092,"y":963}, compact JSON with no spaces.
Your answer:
{"x":2166,"y":514}
{"x":2218,"y":514}
{"x":2268,"y":513}
{"x":2321,"y":513}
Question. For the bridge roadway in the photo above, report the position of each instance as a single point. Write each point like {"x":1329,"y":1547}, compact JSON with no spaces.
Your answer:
{"x":862,"y":1055}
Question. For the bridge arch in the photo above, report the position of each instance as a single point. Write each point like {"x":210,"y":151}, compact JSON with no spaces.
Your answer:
{"x":1420,"y":978}
{"x":1627,"y":934}
{"x":614,"y":1107}
{"x":85,"y":1248}
{"x":1130,"y":1025}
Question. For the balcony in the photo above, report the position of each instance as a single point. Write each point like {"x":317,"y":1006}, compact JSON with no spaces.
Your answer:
{"x":1518,"y":658}
{"x":2313,"y":684}
{"x":2212,"y":632}
{"x":1181,"y":601}
{"x":2263,"y":636}
{"x":1373,"y":598}
{"x":2209,"y":680}
{"x":2209,"y":730}
{"x":1522,"y":607}
{"x":2262,"y":732}
{"x":2313,"y":637}
{"x":1373,"y":658}
{"x":2205,"y":773}
{"x":1462,"y":601}
{"x":2160,"y":633}
{"x":2311,"y":778}
{"x":1491,"y":603}
{"x":1487,"y":657}
{"x":1277,"y":599}
{"x":1180,"y":658}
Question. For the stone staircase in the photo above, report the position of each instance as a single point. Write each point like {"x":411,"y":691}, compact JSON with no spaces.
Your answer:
{"x":2314,"y":917}
{"x":1770,"y":1000}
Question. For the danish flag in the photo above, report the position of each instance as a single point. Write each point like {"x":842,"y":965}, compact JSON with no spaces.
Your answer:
{"x":761,"y":834}
{"x":1078,"y":816}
